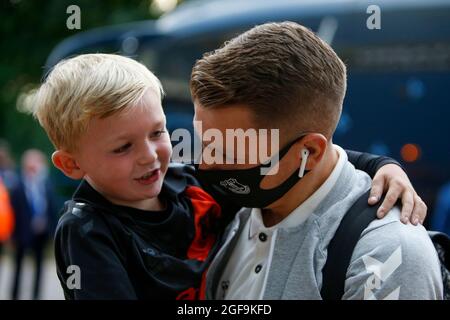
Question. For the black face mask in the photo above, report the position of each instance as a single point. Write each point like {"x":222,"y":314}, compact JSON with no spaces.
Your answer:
{"x":243,"y":186}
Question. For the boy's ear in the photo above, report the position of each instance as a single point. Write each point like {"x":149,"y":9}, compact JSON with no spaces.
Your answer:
{"x":65,"y":162}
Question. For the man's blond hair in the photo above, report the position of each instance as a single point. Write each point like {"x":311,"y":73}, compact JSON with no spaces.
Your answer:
{"x":88,"y":86}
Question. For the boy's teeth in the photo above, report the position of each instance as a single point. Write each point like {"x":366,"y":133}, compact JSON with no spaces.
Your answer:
{"x":145,"y":176}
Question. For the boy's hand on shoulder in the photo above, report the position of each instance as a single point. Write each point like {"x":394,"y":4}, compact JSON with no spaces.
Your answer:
{"x":392,"y":180}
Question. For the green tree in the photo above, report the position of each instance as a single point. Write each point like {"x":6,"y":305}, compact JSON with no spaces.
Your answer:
{"x":29,"y":31}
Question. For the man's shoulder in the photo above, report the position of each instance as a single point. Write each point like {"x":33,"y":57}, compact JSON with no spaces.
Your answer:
{"x":388,"y":234}
{"x":391,"y":255}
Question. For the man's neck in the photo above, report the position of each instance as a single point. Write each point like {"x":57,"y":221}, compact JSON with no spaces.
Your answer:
{"x":304,"y":189}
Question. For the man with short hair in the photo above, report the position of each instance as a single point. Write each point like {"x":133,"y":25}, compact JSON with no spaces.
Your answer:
{"x":282,"y":76}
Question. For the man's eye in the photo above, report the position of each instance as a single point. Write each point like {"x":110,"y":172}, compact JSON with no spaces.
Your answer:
{"x":122,"y":148}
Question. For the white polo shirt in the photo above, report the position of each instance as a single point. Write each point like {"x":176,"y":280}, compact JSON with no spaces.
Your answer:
{"x":245,"y":275}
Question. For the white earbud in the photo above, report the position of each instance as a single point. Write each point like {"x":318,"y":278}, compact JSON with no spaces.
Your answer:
{"x":304,"y":154}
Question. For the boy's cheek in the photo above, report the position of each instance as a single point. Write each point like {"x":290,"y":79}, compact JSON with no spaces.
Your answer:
{"x":166,"y":153}
{"x":169,"y":155}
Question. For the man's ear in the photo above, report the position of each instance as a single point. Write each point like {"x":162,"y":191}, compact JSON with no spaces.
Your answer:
{"x":65,"y":162}
{"x":316,"y":144}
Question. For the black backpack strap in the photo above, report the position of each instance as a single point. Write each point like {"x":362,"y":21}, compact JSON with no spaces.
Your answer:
{"x":341,"y":247}
{"x":442,"y":243}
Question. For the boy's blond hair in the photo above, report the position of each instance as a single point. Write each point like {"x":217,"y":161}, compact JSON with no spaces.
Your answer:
{"x":85,"y":87}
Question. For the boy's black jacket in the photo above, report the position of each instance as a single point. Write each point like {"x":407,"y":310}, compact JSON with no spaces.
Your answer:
{"x":126,"y":253}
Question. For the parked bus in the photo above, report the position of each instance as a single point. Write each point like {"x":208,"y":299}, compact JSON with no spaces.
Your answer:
{"x":397,"y":102}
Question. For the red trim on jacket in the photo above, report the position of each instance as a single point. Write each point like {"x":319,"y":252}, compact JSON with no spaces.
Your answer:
{"x":206,"y":211}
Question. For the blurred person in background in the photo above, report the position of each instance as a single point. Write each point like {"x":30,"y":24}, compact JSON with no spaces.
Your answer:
{"x":8,"y":179}
{"x":33,"y":202}
{"x":6,"y":218}
{"x":7,"y":173}
{"x":440,"y":220}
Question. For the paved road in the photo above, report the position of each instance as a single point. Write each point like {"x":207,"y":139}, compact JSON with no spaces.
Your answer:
{"x":50,"y":289}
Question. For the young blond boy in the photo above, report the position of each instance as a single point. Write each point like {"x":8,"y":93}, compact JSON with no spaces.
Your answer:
{"x":129,"y":230}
